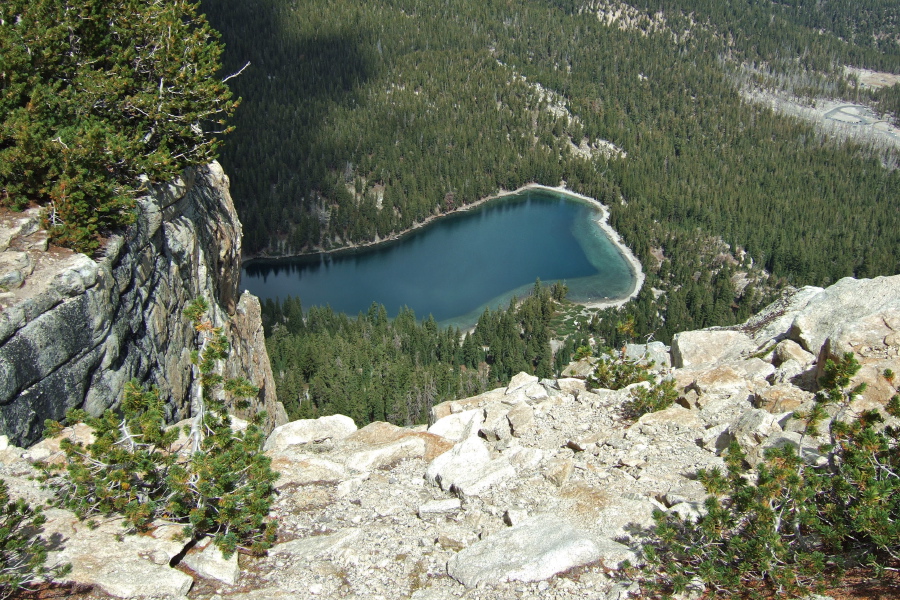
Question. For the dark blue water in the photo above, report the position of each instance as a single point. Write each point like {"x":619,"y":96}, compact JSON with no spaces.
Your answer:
{"x":460,"y":263}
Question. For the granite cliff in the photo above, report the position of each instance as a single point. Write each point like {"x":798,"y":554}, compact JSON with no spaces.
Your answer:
{"x":73,"y":329}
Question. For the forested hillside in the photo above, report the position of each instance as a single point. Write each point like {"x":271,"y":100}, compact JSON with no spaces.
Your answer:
{"x":360,"y":119}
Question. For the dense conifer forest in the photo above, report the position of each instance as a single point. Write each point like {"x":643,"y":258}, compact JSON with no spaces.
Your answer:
{"x":374,"y":369}
{"x":360,"y":119}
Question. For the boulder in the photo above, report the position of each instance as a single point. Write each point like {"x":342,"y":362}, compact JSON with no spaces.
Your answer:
{"x":707,"y":348}
{"x":716,"y":438}
{"x":674,"y":415}
{"x":379,"y":433}
{"x":386,"y":454}
{"x":571,"y":385}
{"x":521,"y":419}
{"x":521,"y":381}
{"x":792,"y":372}
{"x":772,"y":323}
{"x":124,"y":566}
{"x":582,"y":368}
{"x":525,"y":459}
{"x":721,"y":380}
{"x":535,"y":392}
{"x":781,"y":398}
{"x":853,"y":309}
{"x":304,"y":469}
{"x":311,"y":547}
{"x":618,"y":515}
{"x":514,"y":516}
{"x":559,"y":470}
{"x":439,"y":507}
{"x":305,"y":431}
{"x":457,"y":464}
{"x":754,"y":370}
{"x":439,"y":411}
{"x":716,"y":409}
{"x":787,"y":350}
{"x":211,"y":563}
{"x":484,"y":477}
{"x":753,"y":427}
{"x":459,"y":426}
{"x":496,"y":426}
{"x":534,"y":550}
{"x":654,"y":352}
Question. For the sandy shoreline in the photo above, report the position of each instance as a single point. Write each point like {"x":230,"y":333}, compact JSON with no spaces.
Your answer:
{"x":602,"y":222}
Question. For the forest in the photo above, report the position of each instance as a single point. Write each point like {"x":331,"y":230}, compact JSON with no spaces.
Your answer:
{"x":359,"y":120}
{"x":375,"y":369}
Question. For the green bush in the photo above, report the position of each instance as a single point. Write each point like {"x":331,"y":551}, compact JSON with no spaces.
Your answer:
{"x":217,"y":483}
{"x":96,"y":96}
{"x":658,"y":396}
{"x":22,"y":551}
{"x":616,"y":371}
{"x":791,"y":527}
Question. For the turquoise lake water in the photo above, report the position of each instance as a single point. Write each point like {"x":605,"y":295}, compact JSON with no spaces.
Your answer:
{"x":459,"y":264}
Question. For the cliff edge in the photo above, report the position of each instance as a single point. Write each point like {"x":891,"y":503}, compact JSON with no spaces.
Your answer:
{"x":74,"y":330}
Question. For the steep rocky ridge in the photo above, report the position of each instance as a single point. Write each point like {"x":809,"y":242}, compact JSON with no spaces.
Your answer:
{"x":537,"y":490}
{"x":73,"y":330}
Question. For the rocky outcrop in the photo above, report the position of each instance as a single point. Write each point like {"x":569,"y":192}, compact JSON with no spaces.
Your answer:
{"x":538,"y":490}
{"x":73,"y":330}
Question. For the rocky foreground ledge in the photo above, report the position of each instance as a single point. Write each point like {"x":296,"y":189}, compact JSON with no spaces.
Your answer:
{"x":537,"y":490}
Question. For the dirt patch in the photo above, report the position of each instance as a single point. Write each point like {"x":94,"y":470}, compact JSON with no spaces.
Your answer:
{"x":586,"y":500}
{"x":839,"y":120}
{"x":873,"y":79}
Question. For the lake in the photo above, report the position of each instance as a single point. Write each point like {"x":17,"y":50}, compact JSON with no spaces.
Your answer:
{"x":458,"y":264}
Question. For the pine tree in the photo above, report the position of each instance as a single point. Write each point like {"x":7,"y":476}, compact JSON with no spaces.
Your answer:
{"x":98,"y":98}
{"x":217,"y":483}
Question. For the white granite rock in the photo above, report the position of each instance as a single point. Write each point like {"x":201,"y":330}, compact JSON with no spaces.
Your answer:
{"x":460,"y":425}
{"x":304,"y":431}
{"x":707,"y":348}
{"x":212,"y":563}
{"x":536,"y":549}
{"x":386,"y":454}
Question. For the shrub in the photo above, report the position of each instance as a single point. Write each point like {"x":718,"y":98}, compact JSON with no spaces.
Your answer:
{"x":658,"y":396}
{"x":218,"y":483}
{"x":791,"y":527}
{"x":616,"y":371}
{"x":22,"y":551}
{"x":95,"y":94}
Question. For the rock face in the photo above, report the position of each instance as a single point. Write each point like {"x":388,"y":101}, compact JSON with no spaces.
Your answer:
{"x":73,"y":330}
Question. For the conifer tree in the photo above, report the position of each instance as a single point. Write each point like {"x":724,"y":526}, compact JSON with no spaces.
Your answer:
{"x":217,"y":484}
{"x":98,"y":98}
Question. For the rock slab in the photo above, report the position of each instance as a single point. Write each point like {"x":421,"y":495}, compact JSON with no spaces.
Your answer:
{"x":534,"y":550}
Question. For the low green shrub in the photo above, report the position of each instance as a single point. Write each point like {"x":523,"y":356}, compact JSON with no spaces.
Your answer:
{"x":658,"y":396}
{"x":217,"y":483}
{"x":791,"y":527}
{"x":23,"y":552}
{"x":615,"y":371}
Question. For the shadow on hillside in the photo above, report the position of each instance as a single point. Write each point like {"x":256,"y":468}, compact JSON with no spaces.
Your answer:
{"x":288,"y":91}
